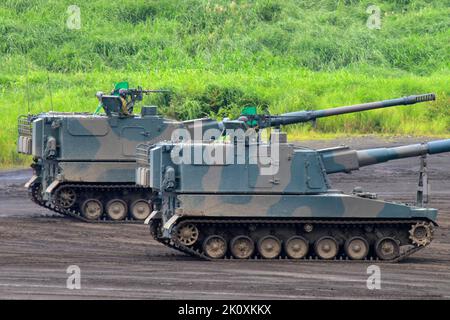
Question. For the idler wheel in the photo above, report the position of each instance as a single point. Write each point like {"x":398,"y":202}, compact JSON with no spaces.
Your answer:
{"x":421,"y":234}
{"x":296,"y":247}
{"x":66,"y":198}
{"x":242,"y":247}
{"x":92,"y":209}
{"x":215,"y":247}
{"x":356,"y":248}
{"x":187,"y":234}
{"x":36,"y":190}
{"x":326,"y":248}
{"x":141,"y":209}
{"x":387,"y":248}
{"x":116,"y":209}
{"x":269,"y":247}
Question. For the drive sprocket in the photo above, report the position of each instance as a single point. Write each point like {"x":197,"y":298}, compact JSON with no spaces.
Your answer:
{"x":421,"y":233}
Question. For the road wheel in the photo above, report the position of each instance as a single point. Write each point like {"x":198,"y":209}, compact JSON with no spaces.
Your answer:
{"x":92,"y":209}
{"x":215,"y":247}
{"x":269,"y":247}
{"x":141,"y":209}
{"x":356,"y":248}
{"x":326,"y":248}
{"x":116,"y":209}
{"x":187,"y":234}
{"x":66,"y":198}
{"x":242,"y":247}
{"x":296,"y":247}
{"x":387,"y":248}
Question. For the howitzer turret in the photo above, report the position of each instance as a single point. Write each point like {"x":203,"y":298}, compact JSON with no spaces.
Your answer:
{"x":343,"y":159}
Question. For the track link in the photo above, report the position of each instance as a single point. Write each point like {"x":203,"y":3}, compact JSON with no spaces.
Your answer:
{"x":34,"y":190}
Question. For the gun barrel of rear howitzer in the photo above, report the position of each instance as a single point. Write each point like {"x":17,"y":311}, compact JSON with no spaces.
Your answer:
{"x":304,"y":116}
{"x":346,"y":160}
{"x":155,"y":91}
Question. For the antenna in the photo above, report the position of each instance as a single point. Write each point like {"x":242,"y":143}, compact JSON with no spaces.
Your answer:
{"x":50,"y":90}
{"x":27,"y":88}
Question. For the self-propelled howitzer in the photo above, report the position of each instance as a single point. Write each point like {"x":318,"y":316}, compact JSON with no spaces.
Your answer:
{"x":234,"y":205}
{"x":84,"y":163}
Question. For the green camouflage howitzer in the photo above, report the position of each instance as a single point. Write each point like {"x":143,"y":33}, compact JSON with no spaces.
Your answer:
{"x":234,"y":203}
{"x":84,"y":164}
{"x":224,"y":210}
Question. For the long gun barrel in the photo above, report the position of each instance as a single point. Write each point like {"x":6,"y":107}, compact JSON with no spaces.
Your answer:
{"x":344,"y":159}
{"x":156,"y":91}
{"x":250,"y":119}
{"x":305,"y":116}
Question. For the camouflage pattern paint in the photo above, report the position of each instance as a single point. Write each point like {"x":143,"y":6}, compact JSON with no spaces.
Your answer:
{"x":329,"y":205}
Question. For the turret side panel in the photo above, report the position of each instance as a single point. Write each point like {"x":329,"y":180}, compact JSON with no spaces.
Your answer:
{"x":290,"y":171}
{"x":114,"y":139}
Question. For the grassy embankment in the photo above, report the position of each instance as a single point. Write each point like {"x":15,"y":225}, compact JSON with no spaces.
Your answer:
{"x":217,"y":56}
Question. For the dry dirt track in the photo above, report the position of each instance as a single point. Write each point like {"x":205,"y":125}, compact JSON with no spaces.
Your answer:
{"x":121,"y":261}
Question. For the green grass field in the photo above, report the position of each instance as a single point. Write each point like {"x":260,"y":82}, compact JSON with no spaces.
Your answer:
{"x":217,"y":56}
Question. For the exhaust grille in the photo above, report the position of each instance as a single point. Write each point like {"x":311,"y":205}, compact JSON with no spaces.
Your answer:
{"x":24,"y":128}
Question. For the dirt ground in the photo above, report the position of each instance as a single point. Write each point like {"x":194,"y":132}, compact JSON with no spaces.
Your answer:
{"x":122,"y":261}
